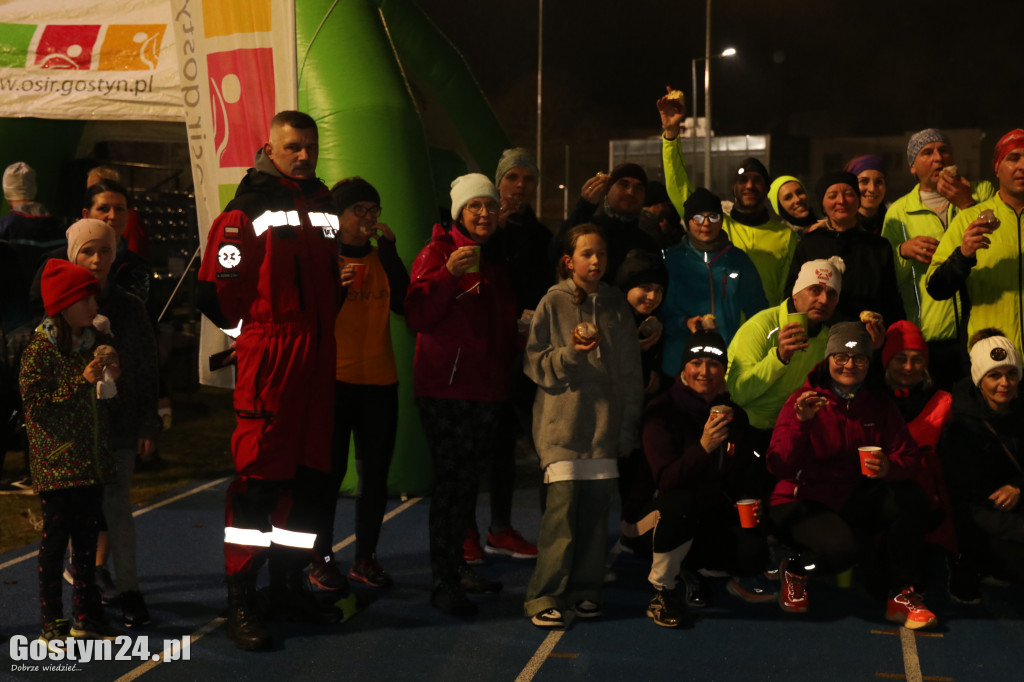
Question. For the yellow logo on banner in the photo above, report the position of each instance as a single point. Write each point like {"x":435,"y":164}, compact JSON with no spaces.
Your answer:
{"x":227,"y":17}
{"x":131,"y":47}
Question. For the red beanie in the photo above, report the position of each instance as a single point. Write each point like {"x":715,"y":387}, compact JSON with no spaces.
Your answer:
{"x":64,"y":284}
{"x":1007,"y":143}
{"x":903,"y":336}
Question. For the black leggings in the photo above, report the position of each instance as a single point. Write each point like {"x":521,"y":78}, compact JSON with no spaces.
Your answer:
{"x":71,"y":514}
{"x":369,"y":414}
{"x":834,"y":541}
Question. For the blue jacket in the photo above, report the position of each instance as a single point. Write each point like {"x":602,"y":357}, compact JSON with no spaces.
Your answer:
{"x":724,"y":282}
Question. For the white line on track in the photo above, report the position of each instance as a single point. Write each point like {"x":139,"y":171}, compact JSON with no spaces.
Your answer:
{"x":217,"y":622}
{"x":541,"y":655}
{"x":911,"y":663}
{"x":138,"y":512}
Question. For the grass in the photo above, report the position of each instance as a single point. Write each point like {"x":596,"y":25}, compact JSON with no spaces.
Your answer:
{"x":197,"y":446}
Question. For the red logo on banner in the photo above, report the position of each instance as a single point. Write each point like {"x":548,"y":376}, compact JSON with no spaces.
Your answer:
{"x":242,"y":93}
{"x":66,"y":47}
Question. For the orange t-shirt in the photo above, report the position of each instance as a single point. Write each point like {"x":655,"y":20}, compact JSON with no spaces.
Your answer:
{"x":363,"y":328}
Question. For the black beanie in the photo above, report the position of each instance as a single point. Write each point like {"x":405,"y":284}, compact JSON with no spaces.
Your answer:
{"x":836,"y":178}
{"x":351,"y":191}
{"x":752,"y":165}
{"x":701,"y":201}
{"x":705,"y":344}
{"x":628,"y":170}
{"x":641,"y":267}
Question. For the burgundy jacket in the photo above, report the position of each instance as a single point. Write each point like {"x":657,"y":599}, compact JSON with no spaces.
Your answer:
{"x":817,"y":459}
{"x":465,"y":327}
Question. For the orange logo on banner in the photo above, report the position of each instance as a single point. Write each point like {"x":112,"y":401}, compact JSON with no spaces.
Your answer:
{"x":131,"y":47}
{"x":227,"y":17}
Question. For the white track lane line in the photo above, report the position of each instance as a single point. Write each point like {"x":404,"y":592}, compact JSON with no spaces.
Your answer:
{"x":218,"y":621}
{"x":137,"y":512}
{"x":541,"y":655}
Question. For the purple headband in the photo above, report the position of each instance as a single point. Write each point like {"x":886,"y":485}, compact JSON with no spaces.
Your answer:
{"x":859,"y":164}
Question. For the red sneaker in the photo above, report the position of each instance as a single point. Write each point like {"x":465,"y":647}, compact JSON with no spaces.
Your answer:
{"x":510,"y":543}
{"x":792,"y":590}
{"x":328,"y":578}
{"x":908,"y":608}
{"x":472,"y":552}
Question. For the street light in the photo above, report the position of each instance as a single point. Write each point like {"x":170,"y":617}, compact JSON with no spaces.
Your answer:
{"x":727,"y":52}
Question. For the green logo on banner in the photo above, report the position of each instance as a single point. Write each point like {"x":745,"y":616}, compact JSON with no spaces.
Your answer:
{"x":14,"y":42}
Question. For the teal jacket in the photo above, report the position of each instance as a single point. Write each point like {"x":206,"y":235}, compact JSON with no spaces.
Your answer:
{"x":758,"y":380}
{"x":907,"y":218}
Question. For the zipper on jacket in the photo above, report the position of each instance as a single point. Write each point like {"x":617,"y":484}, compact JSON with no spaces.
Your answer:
{"x":455,"y":365}
{"x":298,"y":282}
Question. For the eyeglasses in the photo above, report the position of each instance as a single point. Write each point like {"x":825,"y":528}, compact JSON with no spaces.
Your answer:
{"x":859,"y":361}
{"x":700,"y":218}
{"x":478,"y":207}
{"x":363,"y":211}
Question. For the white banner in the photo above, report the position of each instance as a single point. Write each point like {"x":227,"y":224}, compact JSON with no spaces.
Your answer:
{"x":236,"y":65}
{"x":88,"y":60}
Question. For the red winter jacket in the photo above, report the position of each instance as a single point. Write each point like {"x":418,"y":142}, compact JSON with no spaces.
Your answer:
{"x":466,"y":327}
{"x":817,"y":459}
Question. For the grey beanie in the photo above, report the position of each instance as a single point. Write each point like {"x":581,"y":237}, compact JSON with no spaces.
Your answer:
{"x":19,"y":182}
{"x":511,"y":158}
{"x":848,"y":337}
{"x":921,"y":138}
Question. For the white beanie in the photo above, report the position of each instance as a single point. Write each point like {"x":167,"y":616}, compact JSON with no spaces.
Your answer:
{"x":992,"y":353}
{"x":19,"y":182}
{"x":469,"y":187}
{"x":84,"y":231}
{"x":821,"y":271}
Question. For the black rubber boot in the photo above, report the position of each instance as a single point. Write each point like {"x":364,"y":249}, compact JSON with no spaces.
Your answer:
{"x":245,"y":627}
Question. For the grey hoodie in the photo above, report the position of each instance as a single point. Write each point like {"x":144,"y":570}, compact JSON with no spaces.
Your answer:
{"x":588,"y":404}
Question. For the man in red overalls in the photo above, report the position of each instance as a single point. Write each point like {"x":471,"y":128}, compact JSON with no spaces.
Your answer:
{"x":270,"y":265}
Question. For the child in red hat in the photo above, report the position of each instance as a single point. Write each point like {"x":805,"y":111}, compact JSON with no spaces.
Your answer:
{"x":69,"y":449}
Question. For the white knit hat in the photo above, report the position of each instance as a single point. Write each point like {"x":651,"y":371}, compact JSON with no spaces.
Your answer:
{"x":19,"y":182}
{"x":469,"y":187}
{"x":992,"y":353}
{"x":85,"y":230}
{"x":821,"y":271}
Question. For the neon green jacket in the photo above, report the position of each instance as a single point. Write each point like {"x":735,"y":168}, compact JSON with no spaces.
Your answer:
{"x":758,"y":381}
{"x":907,"y":218}
{"x":769,"y":245}
{"x":994,"y":282}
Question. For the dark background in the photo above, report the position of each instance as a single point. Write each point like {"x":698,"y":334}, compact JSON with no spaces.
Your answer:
{"x":804,"y":69}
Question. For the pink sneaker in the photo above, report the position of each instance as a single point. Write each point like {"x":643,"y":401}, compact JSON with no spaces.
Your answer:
{"x":472,"y":552}
{"x":510,"y":543}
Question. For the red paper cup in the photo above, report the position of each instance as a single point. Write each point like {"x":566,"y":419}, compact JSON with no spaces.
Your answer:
{"x":748,"y":517}
{"x":357,"y":283}
{"x":868,"y":453}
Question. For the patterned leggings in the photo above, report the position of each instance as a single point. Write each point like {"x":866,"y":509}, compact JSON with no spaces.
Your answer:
{"x":75,"y":514}
{"x":458,"y":434}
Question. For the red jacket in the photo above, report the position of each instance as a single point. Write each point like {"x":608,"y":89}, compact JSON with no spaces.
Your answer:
{"x":466,"y":327}
{"x":817,"y":459}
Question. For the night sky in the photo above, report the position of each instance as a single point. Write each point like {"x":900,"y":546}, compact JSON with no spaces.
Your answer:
{"x":804,"y":67}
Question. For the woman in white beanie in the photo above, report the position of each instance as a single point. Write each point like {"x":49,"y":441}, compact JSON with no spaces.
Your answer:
{"x":982,"y":448}
{"x":461,"y":306}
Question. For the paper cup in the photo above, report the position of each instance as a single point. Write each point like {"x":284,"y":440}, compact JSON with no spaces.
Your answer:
{"x":357,"y":283}
{"x":723,"y":409}
{"x":868,"y":452}
{"x":748,"y":518}
{"x":799,"y":318}
{"x":476,"y":266}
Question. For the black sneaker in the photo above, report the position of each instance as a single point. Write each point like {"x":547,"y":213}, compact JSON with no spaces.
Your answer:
{"x":449,"y":597}
{"x":94,"y":628}
{"x":474,"y":583}
{"x":105,"y":585}
{"x":58,"y":629}
{"x":697,"y":593}
{"x":964,"y":581}
{"x":133,"y":609}
{"x":588,"y":609}
{"x":551,"y":619}
{"x":667,"y":609}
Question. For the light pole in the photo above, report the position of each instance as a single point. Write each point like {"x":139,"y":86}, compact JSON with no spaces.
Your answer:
{"x":728,"y":52}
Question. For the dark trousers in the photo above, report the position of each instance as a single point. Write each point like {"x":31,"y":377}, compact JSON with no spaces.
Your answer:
{"x":832,"y":542}
{"x":460,"y":435}
{"x":992,"y":539}
{"x":369,"y":415}
{"x":73,"y":514}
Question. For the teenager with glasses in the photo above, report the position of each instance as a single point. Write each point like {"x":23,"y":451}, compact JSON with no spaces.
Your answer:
{"x":831,"y":510}
{"x":707,"y":276}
